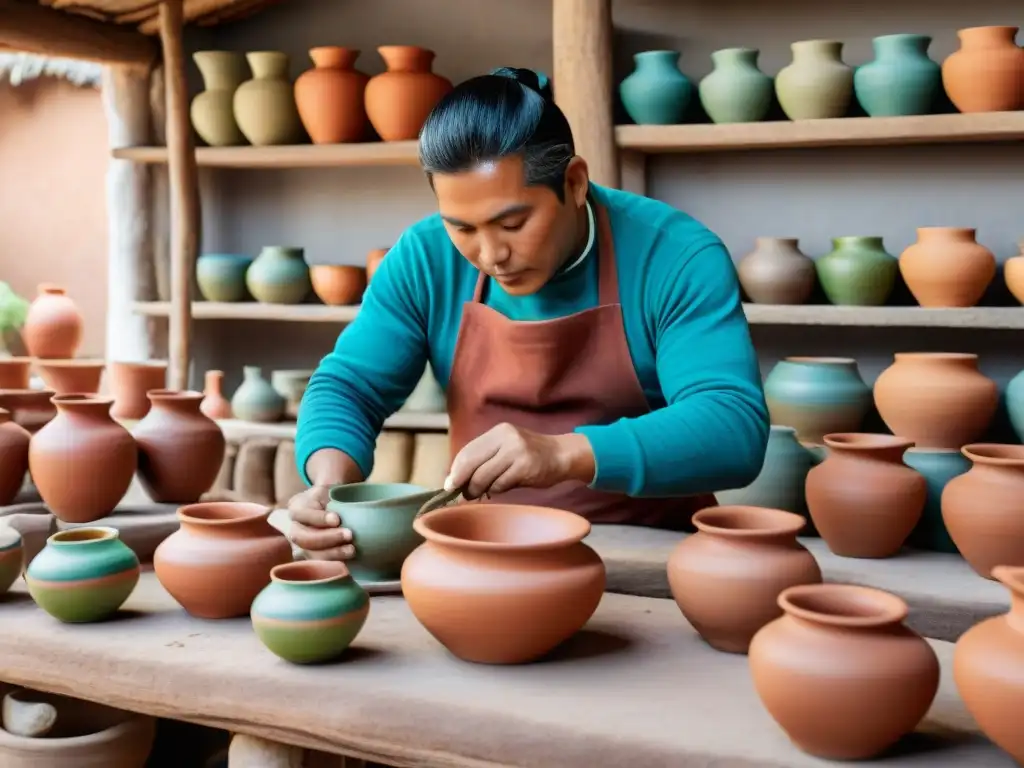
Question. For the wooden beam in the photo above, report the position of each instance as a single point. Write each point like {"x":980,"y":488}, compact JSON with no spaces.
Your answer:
{"x":32,"y":28}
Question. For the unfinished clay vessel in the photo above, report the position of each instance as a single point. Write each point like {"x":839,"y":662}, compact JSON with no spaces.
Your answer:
{"x":726,"y":578}
{"x":330,"y":96}
{"x":214,"y":404}
{"x":840,"y":673}
{"x":14,"y":441}
{"x":53,"y":327}
{"x":180,"y":448}
{"x":129,"y":383}
{"x":220,"y":558}
{"x":777,"y":272}
{"x":863,"y":499}
{"x":338,"y":284}
{"x":373,"y":261}
{"x":83,"y":461}
{"x":15,"y":372}
{"x":29,"y":408}
{"x":502,"y":583}
{"x":72,"y":377}
{"x":947,"y":267}
{"x":12,"y":557}
{"x":399,"y":100}
{"x":987,"y":73}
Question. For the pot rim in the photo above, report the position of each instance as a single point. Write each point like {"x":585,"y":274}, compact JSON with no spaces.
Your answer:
{"x":235,"y":513}
{"x":80,"y":398}
{"x":764,"y":521}
{"x":418,"y":495}
{"x":321,"y":571}
{"x":576,"y":527}
{"x":1010,"y":576}
{"x":824,"y":360}
{"x":866,"y":441}
{"x":799,"y":601}
{"x":71,"y":362}
{"x":139,"y":364}
{"x":995,"y":454}
{"x":85,"y":534}
{"x":10,"y":539}
{"x":39,"y":394}
{"x":165,"y":395}
{"x":947,"y":356}
{"x":19,"y":359}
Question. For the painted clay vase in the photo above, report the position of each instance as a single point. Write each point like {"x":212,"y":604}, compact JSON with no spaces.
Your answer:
{"x":947,"y":267}
{"x":736,"y":91}
{"x":220,"y":558}
{"x":373,"y":261}
{"x":840,"y":672}
{"x":988,"y":668}
{"x":777,"y":272}
{"x":15,"y":372}
{"x":981,"y":508}
{"x":817,"y":84}
{"x":338,"y":284}
{"x":12,"y":557}
{"x":72,"y":377}
{"x":83,"y":574}
{"x":291,"y":385}
{"x":427,"y":396}
{"x":858,"y":271}
{"x":212,"y":110}
{"x":987,"y":73}
{"x":265,"y":105}
{"x":863,"y":499}
{"x":130,"y":383}
{"x":32,"y":409}
{"x":53,"y":327}
{"x":399,"y":100}
{"x":937,"y":468}
{"x":279,"y":275}
{"x":221,"y":276}
{"x":502,"y":583}
{"x":310,"y":612}
{"x":816,"y":396}
{"x":330,"y":96}
{"x":83,"y":461}
{"x":901,"y":80}
{"x":214,"y":404}
{"x":656,"y":92}
{"x":256,"y":399}
{"x":1013,"y":274}
{"x":380,"y":516}
{"x":14,"y":440}
{"x":180,"y":448}
{"x":726,"y":578}
{"x":937,"y":399}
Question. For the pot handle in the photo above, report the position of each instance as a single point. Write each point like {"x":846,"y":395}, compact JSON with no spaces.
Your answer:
{"x":440,"y":499}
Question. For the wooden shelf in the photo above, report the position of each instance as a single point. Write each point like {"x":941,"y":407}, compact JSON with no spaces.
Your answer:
{"x":235,"y":429}
{"x":252,"y":310}
{"x":897,"y":317}
{"x":293,"y":156}
{"x":843,"y":132}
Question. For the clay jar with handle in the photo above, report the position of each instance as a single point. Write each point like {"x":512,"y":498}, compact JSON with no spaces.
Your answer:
{"x":1013,"y":273}
{"x":817,"y":84}
{"x":840,"y":673}
{"x":936,"y":399}
{"x":14,"y":440}
{"x":180,"y":448}
{"x":726,"y":578}
{"x":220,"y":558}
{"x":987,"y":73}
{"x":502,"y":583}
{"x":399,"y":100}
{"x":988,"y":668}
{"x":982,"y":507}
{"x":777,"y":272}
{"x":863,"y":499}
{"x":817,"y":395}
{"x":212,"y":111}
{"x":947,"y":267}
{"x":214,"y":404}
{"x":83,"y":461}
{"x":265,"y":105}
{"x":53,"y":327}
{"x":129,"y":383}
{"x":330,"y":96}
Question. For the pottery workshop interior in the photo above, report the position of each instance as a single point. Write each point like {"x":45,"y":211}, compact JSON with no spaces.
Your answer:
{"x":536,"y":384}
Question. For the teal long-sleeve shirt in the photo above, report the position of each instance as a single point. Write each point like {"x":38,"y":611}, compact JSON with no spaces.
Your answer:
{"x":684,"y":323}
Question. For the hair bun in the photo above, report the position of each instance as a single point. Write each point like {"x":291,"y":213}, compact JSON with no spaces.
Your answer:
{"x":535,"y":81}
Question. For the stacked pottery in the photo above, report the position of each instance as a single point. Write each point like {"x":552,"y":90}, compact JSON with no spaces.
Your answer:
{"x":736,"y":91}
{"x":212,"y":110}
{"x":12,"y":558}
{"x":338,"y":284}
{"x":14,"y":442}
{"x":1013,"y":274}
{"x":221,"y":276}
{"x":72,"y":377}
{"x":901,"y":80}
{"x":777,"y":272}
{"x":53,"y":327}
{"x":279,"y":275}
{"x":15,"y":372}
{"x":214,"y":404}
{"x":256,"y":399}
{"x":937,"y":467}
{"x":329,"y":96}
{"x":858,"y":271}
{"x":947,"y":267}
{"x":265,"y":105}
{"x":130,"y":383}
{"x":399,"y":100}
{"x":987,"y":73}
{"x":656,"y":92}
{"x":817,"y":84}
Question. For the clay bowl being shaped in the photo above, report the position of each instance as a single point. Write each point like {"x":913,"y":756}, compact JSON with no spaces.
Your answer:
{"x":12,"y":557}
{"x":502,"y":583}
{"x":72,"y":377}
{"x":15,"y":372}
{"x":338,"y":284}
{"x":29,"y":408}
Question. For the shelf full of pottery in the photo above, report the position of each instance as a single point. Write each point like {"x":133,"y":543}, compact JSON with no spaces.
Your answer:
{"x":986,"y":74}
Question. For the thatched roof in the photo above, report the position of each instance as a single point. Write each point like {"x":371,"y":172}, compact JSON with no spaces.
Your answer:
{"x":143,"y":13}
{"x":18,"y":68}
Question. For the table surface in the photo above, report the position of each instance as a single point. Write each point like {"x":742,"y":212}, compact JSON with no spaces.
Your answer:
{"x":637,"y":687}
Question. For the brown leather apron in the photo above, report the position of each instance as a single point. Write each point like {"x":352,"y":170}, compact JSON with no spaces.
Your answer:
{"x":551,"y":376}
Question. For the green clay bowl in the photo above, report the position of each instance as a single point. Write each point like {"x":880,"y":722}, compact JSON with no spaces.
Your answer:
{"x":310,"y":612}
{"x":83,"y":574}
{"x":12,"y":558}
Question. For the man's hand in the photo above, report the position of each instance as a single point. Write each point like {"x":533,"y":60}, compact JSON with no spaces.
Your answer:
{"x":508,"y":457}
{"x":316,"y":530}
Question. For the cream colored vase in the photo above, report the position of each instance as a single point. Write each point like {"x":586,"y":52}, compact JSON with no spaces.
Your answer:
{"x":817,"y":84}
{"x":265,"y":106}
{"x":213,"y":112}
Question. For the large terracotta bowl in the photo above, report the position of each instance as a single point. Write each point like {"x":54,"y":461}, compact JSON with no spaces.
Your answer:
{"x":338,"y":284}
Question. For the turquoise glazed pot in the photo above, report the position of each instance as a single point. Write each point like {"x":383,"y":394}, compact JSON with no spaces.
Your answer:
{"x":380,"y":517}
{"x":817,"y":396}
{"x":279,"y":276}
{"x":858,"y":271}
{"x":656,"y":93}
{"x":1015,"y":404}
{"x":938,"y":468}
{"x":12,"y":557}
{"x":736,"y":91}
{"x":902,"y":80}
{"x":310,"y":612}
{"x":221,"y":276}
{"x":256,"y":399}
{"x":83,"y":574}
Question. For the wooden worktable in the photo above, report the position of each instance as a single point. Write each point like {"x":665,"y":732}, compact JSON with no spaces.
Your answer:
{"x":637,"y":688}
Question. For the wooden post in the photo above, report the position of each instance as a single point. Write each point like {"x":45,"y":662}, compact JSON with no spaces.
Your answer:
{"x":582,"y":43}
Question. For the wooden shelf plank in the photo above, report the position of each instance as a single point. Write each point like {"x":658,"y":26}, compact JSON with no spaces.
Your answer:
{"x":236,"y":429}
{"x":898,"y":317}
{"x":252,"y":310}
{"x":844,"y":132}
{"x":292,"y":156}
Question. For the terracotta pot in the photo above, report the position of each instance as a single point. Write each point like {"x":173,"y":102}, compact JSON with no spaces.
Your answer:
{"x":776,"y":272}
{"x":502,"y":583}
{"x":981,"y":508}
{"x":947,"y":267}
{"x":129,"y":383}
{"x":83,"y":461}
{"x":817,"y":84}
{"x":863,"y":499}
{"x":14,"y":441}
{"x":30,"y":408}
{"x":338,"y":284}
{"x":936,"y":399}
{"x":840,"y":673}
{"x":265,"y":105}
{"x":373,"y":260}
{"x":214,"y":404}
{"x":220,"y":558}
{"x":817,"y":396}
{"x":330,"y":96}
{"x":15,"y":372}
{"x":988,"y":667}
{"x":12,"y":557}
{"x":1013,"y":274}
{"x":987,"y":73}
{"x":399,"y":100}
{"x":212,"y":110}
{"x":72,"y":377}
{"x":726,"y":578}
{"x":53,"y":327}
{"x":180,"y":449}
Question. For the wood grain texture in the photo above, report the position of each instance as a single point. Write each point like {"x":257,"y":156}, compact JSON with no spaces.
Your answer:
{"x":377,"y":153}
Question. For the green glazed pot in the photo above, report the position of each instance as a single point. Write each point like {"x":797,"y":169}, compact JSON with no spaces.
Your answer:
{"x":901,"y":80}
{"x":938,"y":468}
{"x":83,"y":574}
{"x":279,"y":275}
{"x":656,"y":92}
{"x":221,"y":276}
{"x":857,"y":272}
{"x":310,"y":612}
{"x":12,"y":557}
{"x":736,"y":91}
{"x":817,"y":396}
{"x":380,"y":517}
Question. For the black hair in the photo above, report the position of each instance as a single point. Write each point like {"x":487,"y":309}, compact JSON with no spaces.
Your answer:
{"x":490,"y":117}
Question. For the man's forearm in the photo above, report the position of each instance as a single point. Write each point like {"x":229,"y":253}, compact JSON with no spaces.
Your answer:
{"x":329,"y":466}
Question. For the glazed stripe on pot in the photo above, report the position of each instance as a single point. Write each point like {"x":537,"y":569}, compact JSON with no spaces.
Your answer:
{"x":100,"y":582}
{"x":355,"y":616}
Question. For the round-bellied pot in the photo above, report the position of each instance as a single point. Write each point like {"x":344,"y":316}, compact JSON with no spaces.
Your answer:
{"x":817,"y":84}
{"x":338,"y":284}
{"x":736,"y":91}
{"x":840,"y":672}
{"x":256,"y":399}
{"x":221,"y":276}
{"x":14,"y":442}
{"x":858,"y":271}
{"x":901,"y":80}
{"x":129,"y":383}
{"x":212,"y":110}
{"x":220,"y":558}
{"x":54,"y":326}
{"x":32,"y":409}
{"x":330,"y":96}
{"x":817,"y":396}
{"x":310,"y":612}
{"x":726,"y":578}
{"x":937,"y":468}
{"x":264,"y":106}
{"x":656,"y":92}
{"x":987,"y":73}
{"x":72,"y":377}
{"x":279,"y":275}
{"x":12,"y":557}
{"x":398,"y":101}
{"x":502,"y":583}
{"x":83,"y":574}
{"x":947,"y":267}
{"x":777,"y":272}
{"x":1013,"y":273}
{"x":15,"y":372}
